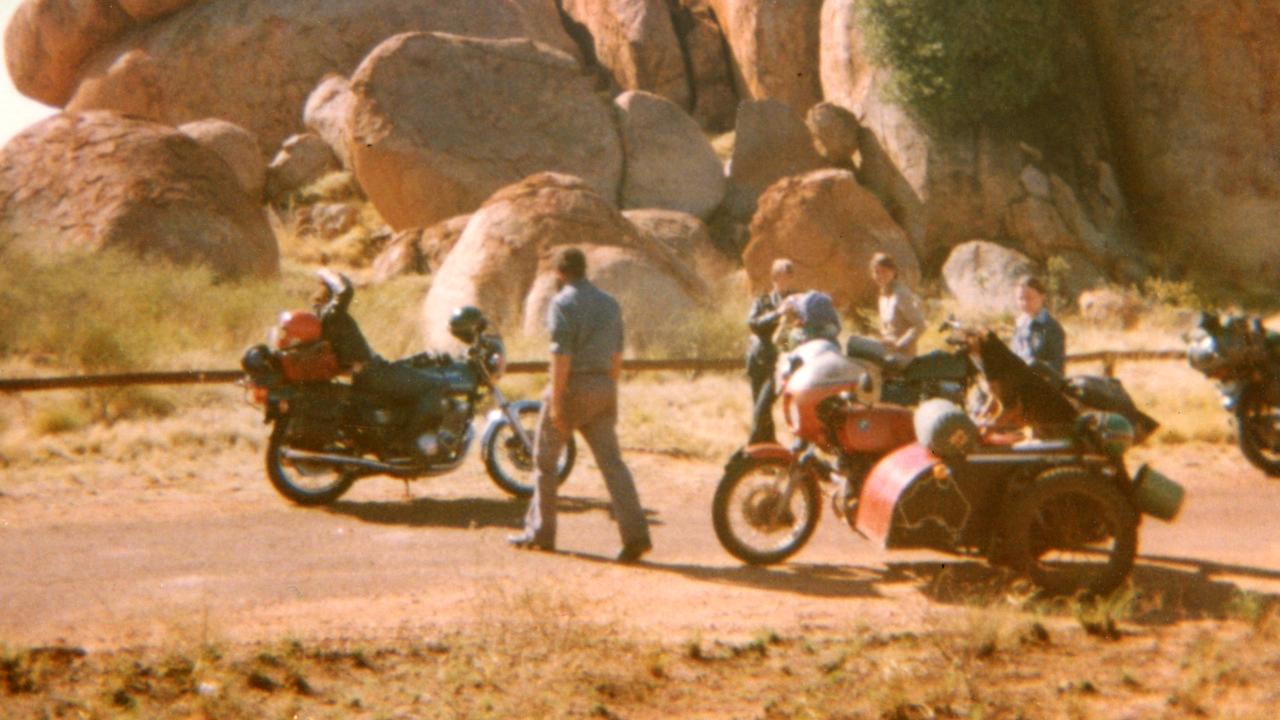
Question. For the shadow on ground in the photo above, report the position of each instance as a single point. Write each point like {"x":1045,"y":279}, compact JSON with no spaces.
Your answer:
{"x":461,"y":512}
{"x":1162,"y":590}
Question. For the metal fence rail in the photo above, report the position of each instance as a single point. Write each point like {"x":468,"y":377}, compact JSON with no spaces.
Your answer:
{"x":1108,"y":358}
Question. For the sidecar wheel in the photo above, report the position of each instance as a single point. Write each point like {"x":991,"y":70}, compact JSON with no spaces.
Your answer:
{"x":749,"y":520}
{"x":298,"y":483}
{"x":510,"y":464}
{"x":1258,"y":432}
{"x":1072,"y":531}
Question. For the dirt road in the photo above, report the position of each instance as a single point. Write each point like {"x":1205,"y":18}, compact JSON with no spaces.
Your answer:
{"x":109,"y":553}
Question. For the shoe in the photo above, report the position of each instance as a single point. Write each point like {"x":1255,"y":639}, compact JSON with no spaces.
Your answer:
{"x":525,"y":541}
{"x":633,"y":551}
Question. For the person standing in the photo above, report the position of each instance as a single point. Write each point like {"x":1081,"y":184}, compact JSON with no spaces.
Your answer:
{"x":1037,"y":338}
{"x":901,"y":319}
{"x":762,"y":354}
{"x":586,"y":361}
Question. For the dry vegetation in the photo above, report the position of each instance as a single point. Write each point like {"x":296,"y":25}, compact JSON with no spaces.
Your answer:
{"x":530,"y":655}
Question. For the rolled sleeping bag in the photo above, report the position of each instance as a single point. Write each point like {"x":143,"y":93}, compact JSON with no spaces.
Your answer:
{"x":945,"y":428}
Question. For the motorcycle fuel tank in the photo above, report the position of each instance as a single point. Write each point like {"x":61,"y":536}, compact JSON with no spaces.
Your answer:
{"x":876,"y":430}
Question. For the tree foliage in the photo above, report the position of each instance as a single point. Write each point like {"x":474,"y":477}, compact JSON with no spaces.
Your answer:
{"x":961,"y":62}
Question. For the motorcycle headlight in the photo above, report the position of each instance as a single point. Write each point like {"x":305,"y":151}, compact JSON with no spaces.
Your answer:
{"x":1204,"y":354}
{"x":495,"y":358}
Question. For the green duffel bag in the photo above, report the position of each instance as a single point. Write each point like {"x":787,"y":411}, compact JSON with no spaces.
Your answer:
{"x":944,"y":428}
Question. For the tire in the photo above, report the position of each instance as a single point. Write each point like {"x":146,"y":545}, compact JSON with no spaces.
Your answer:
{"x":294,"y":482}
{"x":745,"y":511}
{"x":1258,"y":431}
{"x":509,"y":464}
{"x":1081,"y":515}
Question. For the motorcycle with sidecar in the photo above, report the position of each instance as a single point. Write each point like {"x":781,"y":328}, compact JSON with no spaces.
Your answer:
{"x":1062,"y":508}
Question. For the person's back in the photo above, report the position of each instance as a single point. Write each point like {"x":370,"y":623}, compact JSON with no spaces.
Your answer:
{"x":587,"y":327}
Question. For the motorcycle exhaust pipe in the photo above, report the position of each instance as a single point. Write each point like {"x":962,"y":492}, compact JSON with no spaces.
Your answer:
{"x":343,"y":461}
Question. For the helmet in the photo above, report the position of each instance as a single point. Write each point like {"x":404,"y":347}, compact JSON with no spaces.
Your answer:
{"x":466,"y":323}
{"x":296,"y":327}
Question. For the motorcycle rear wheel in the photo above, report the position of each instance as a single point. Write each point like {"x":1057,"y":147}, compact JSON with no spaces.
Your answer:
{"x":1072,"y":531}
{"x":510,"y":464}
{"x":1257,"y":431}
{"x":300,"y":484}
{"x":748,"y":518}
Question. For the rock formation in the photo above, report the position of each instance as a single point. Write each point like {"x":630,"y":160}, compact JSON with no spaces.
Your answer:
{"x":82,"y":182}
{"x":440,"y":122}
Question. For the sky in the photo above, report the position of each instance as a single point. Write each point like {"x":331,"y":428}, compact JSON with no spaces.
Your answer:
{"x":16,"y":110}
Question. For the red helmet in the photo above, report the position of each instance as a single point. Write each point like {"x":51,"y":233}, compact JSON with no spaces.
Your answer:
{"x":296,"y":327}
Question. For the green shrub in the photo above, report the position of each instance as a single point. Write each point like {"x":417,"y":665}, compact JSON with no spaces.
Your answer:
{"x":959,"y":62}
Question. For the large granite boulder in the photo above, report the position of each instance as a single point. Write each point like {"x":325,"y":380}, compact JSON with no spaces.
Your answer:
{"x":669,"y":162}
{"x":1190,"y":92}
{"x":770,"y":143}
{"x":83,"y":182}
{"x":255,"y":63}
{"x":302,"y":160}
{"x":686,"y":237}
{"x":237,"y":147}
{"x":325,"y":115}
{"x":440,"y":122}
{"x":418,"y":252}
{"x":504,"y":255}
{"x":635,"y":41}
{"x":713,"y":97}
{"x":983,"y":276}
{"x":774,"y":44}
{"x":47,"y":41}
{"x":945,"y":187}
{"x":829,"y":226}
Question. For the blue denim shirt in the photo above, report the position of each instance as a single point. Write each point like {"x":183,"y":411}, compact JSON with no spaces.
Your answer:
{"x":1040,"y":337}
{"x":586,"y":324}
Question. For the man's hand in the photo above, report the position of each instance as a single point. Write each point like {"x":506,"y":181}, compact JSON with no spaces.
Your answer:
{"x":558,"y":419}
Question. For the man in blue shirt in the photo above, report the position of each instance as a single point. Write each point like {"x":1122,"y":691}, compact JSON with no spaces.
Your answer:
{"x":586,"y":360}
{"x":1037,"y":338}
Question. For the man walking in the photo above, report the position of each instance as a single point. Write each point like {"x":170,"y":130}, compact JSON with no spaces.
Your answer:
{"x":766,"y":313}
{"x":586,"y":360}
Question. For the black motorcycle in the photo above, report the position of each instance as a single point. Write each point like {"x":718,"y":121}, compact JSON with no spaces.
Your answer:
{"x":1243,"y":358}
{"x":327,"y":434}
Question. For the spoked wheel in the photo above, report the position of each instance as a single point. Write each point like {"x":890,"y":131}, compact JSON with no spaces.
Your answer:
{"x":1072,"y":531}
{"x":1258,"y":428}
{"x":754,"y":519}
{"x":510,"y":464}
{"x":302,"y":482}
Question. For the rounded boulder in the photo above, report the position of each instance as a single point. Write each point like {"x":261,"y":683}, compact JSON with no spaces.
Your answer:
{"x":440,"y":122}
{"x":84,"y":182}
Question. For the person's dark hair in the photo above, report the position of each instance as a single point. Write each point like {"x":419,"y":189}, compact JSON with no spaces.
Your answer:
{"x":884,"y":260}
{"x":1033,"y":282}
{"x":571,"y":263}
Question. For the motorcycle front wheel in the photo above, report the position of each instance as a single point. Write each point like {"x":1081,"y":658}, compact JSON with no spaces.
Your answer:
{"x":300,"y":482}
{"x":1072,"y":531}
{"x":1258,"y":431}
{"x":507,"y":460}
{"x":754,"y":520}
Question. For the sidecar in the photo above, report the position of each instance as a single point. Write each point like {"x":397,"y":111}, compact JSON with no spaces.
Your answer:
{"x":1064,"y":511}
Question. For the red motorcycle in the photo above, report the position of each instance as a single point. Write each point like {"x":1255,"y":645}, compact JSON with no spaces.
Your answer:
{"x":1062,"y":509}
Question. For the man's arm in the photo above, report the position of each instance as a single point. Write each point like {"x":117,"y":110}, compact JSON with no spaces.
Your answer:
{"x":909,"y":307}
{"x":560,"y":365}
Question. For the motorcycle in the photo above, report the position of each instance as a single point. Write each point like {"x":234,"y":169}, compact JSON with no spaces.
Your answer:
{"x":326,"y":434}
{"x":1062,"y":509}
{"x":1243,"y":358}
